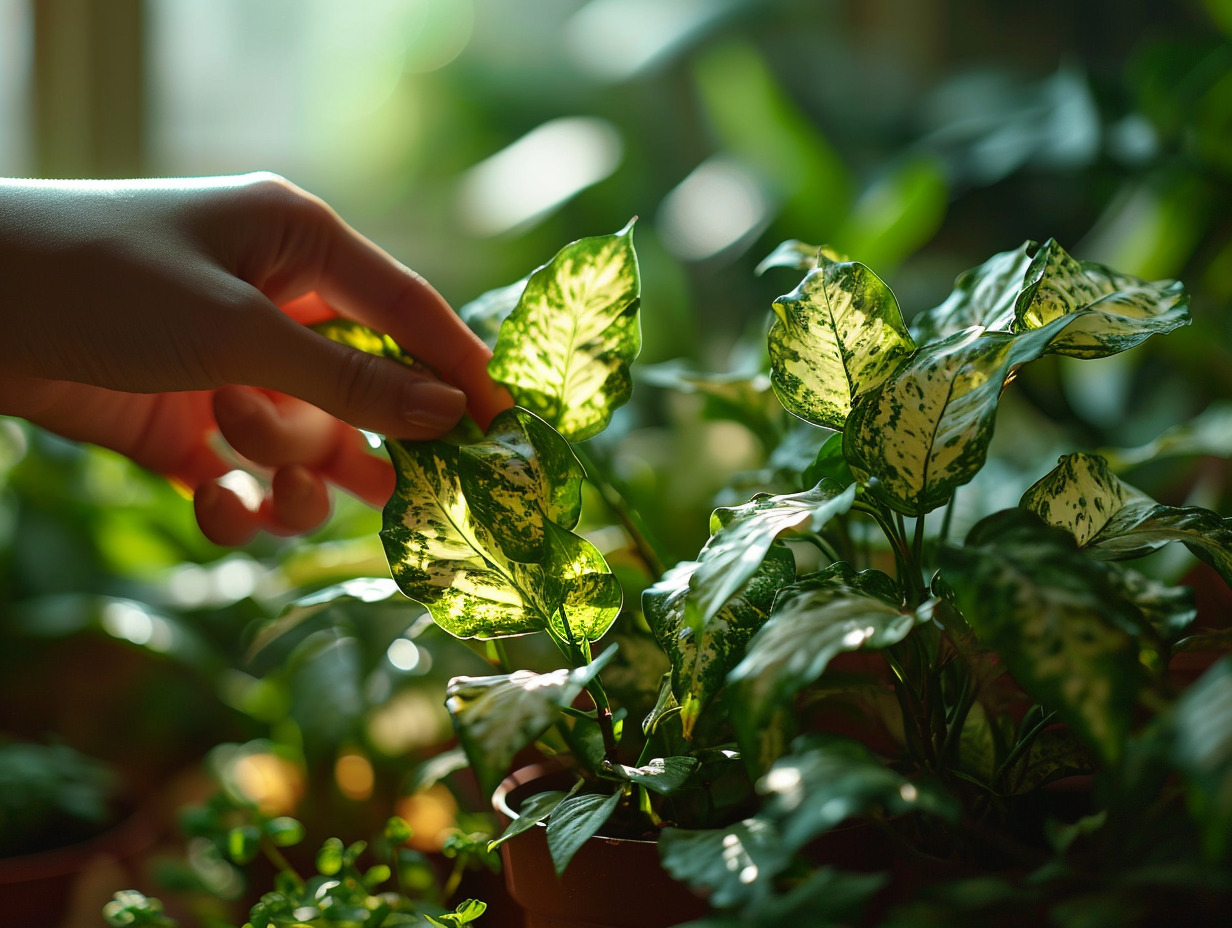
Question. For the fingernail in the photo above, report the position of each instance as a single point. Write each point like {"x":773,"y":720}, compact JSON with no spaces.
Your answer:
{"x":431,"y":404}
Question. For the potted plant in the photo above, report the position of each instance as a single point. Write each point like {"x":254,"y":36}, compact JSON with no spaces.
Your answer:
{"x":975,"y":668}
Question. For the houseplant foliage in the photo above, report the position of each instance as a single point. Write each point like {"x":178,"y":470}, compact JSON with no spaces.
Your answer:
{"x":973,"y":672}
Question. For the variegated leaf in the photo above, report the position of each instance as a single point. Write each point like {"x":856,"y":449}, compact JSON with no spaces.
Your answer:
{"x":565,"y":350}
{"x":800,"y":256}
{"x":1116,"y":521}
{"x":521,"y":474}
{"x":836,"y":336}
{"x":700,"y":662}
{"x":497,"y":716}
{"x":926,"y":431}
{"x":983,"y":296}
{"x":811,"y":623}
{"x":743,"y":534}
{"x":1117,"y":311}
{"x":1055,"y":618}
{"x":443,"y":556}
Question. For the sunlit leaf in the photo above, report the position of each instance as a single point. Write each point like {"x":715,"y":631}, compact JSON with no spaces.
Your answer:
{"x":700,"y":662}
{"x":574,"y":822}
{"x":497,"y":716}
{"x":733,"y":865}
{"x":1114,"y":520}
{"x":565,"y":351}
{"x":982,"y":296}
{"x":1117,"y":311}
{"x":443,"y":555}
{"x":662,"y":774}
{"x":534,"y":810}
{"x":1054,"y":617}
{"x":836,"y":336}
{"x":360,"y":337}
{"x":811,"y":623}
{"x":743,"y":534}
{"x":827,"y":780}
{"x":521,"y":475}
{"x":799,"y":256}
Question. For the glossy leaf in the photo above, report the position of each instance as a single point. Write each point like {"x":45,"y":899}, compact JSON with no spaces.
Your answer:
{"x":826,"y":781}
{"x":662,"y":774}
{"x":1054,"y":617}
{"x":565,"y":350}
{"x":799,"y":256}
{"x":836,"y":336}
{"x":520,"y":476}
{"x":983,"y":296}
{"x":733,"y":866}
{"x":700,"y":662}
{"x":497,"y":716}
{"x":1116,"y":521}
{"x":574,"y":822}
{"x":1116,"y":311}
{"x":741,"y":536}
{"x":443,"y":555}
{"x":534,"y":810}
{"x":811,"y":623}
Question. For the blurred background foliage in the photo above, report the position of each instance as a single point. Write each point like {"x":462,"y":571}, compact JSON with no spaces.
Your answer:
{"x":473,"y":138}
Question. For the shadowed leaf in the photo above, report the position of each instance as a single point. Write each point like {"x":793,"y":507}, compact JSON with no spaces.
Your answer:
{"x":983,"y":296}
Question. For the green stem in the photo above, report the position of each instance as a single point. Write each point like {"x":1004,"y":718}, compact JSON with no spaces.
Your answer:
{"x":498,"y":655}
{"x":616,"y":499}
{"x":580,"y":656}
{"x":279,"y":860}
{"x":892,"y":535}
{"x":913,"y":710}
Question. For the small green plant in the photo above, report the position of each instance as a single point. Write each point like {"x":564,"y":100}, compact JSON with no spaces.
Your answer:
{"x":985,"y":666}
{"x":228,"y":834}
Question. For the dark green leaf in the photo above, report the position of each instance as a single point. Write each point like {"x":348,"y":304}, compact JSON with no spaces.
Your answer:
{"x":826,"y":781}
{"x":1054,"y":617}
{"x":734,"y":865}
{"x":663,"y":774}
{"x":700,"y":662}
{"x":565,"y":350}
{"x":835,"y":337}
{"x":574,"y":822}
{"x":534,"y":810}
{"x":983,"y":296}
{"x":808,"y":627}
{"x":1202,"y":750}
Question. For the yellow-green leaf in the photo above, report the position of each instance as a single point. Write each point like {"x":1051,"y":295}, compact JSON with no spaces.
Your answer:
{"x":565,"y":350}
{"x":1118,"y":311}
{"x":983,"y":296}
{"x":836,"y":336}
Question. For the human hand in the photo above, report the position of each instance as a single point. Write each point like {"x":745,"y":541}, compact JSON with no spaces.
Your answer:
{"x":151,"y":317}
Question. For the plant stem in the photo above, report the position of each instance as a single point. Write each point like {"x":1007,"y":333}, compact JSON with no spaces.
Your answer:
{"x":615,"y":498}
{"x":279,"y":860}
{"x":580,"y":656}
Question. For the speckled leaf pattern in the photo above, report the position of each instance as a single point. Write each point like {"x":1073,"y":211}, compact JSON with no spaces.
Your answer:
{"x":836,"y":336}
{"x":700,"y":663}
{"x":983,"y":296}
{"x":926,"y":432}
{"x":810,"y":624}
{"x":743,"y":534}
{"x":565,"y":350}
{"x":1117,"y":311}
{"x":522,"y":474}
{"x":497,"y":716}
{"x":1079,"y":495}
{"x":1116,"y":521}
{"x":442,"y":555}
{"x":1055,"y":618}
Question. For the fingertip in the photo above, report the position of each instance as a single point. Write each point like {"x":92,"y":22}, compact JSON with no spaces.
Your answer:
{"x":299,"y":500}
{"x":223,"y":516}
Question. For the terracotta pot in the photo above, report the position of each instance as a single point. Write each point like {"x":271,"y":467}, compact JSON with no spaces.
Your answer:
{"x":38,"y":888}
{"x":610,"y":883}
